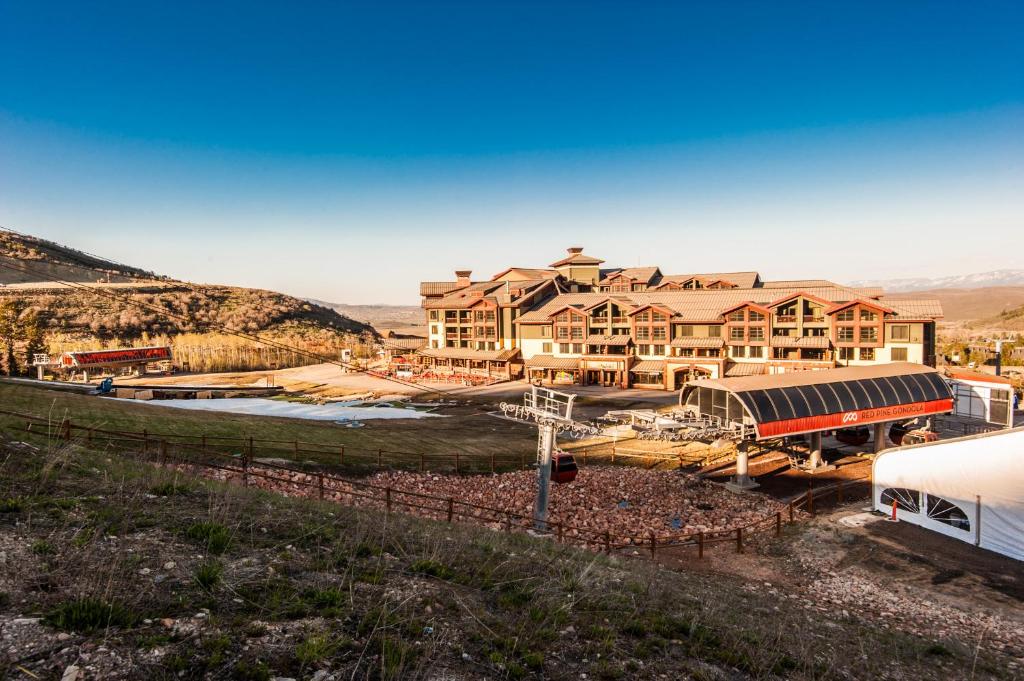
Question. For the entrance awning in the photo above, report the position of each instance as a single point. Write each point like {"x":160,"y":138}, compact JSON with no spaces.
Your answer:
{"x":648,"y":366}
{"x":469,"y":353}
{"x":551,"y":362}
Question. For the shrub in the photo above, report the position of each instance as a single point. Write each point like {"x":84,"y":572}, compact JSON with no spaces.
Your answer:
{"x":315,"y":648}
{"x":88,"y":614}
{"x":169,"y":489}
{"x":10,"y":504}
{"x":432,"y":568}
{"x":215,"y":536}
{"x":208,"y":574}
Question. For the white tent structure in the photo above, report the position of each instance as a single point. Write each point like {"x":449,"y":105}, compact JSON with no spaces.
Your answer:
{"x":970,"y":488}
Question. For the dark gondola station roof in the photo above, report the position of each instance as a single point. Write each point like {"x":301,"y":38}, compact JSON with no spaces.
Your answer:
{"x":806,"y":401}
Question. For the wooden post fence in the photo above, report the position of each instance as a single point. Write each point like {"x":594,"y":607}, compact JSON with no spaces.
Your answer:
{"x":320,"y":483}
{"x":451,"y":508}
{"x":163,"y":453}
{"x":380,"y":453}
{"x":387,"y":498}
{"x":607,"y":541}
{"x":654,"y":542}
{"x":778,"y":524}
{"x":341,"y":456}
{"x":739,"y":540}
{"x":700,"y":544}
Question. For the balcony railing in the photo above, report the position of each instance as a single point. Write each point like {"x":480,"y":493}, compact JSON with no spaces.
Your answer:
{"x":785,"y":318}
{"x":813,"y":319}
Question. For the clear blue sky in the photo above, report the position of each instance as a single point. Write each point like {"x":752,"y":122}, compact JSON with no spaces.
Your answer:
{"x":347,"y":151}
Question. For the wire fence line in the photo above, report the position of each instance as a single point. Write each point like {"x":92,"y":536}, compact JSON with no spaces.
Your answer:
{"x":382,"y":458}
{"x":317,"y":483}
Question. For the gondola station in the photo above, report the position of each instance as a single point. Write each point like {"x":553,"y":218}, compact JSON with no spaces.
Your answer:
{"x":811,"y":403}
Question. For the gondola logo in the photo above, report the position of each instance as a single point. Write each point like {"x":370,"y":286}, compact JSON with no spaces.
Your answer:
{"x":850,"y":417}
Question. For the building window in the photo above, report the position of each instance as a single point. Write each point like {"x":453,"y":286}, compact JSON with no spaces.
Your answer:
{"x":714,"y":332}
{"x":643,"y":317}
{"x":781,"y":332}
{"x":868,"y":315}
{"x":947,"y":513}
{"x":898,"y":355}
{"x":577,"y":333}
{"x":756,"y":316}
{"x":869,"y":334}
{"x":757,"y":333}
{"x":845,"y":315}
{"x":867,"y":354}
{"x":906,"y":499}
{"x":545,"y":332}
{"x":844,"y":334}
{"x":643,"y":333}
{"x":756,"y":351}
{"x":739,"y":351}
{"x":846,"y":353}
{"x":737,"y":316}
{"x":563,"y":348}
{"x":435,"y":329}
{"x":737,"y":333}
{"x":686,"y":330}
{"x":899,"y":332}
{"x":659,"y":350}
{"x":660,"y":333}
{"x":577,"y":348}
{"x":814,"y":332}
{"x":545,"y":348}
{"x":563,"y":333}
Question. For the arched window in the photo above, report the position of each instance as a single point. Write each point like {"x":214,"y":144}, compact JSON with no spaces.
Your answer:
{"x":948,"y":513}
{"x":906,"y":499}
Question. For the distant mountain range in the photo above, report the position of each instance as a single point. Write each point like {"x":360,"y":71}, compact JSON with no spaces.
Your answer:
{"x":398,"y":318}
{"x":960,"y":281}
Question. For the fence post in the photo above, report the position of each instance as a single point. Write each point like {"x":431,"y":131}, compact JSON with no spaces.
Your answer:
{"x":88,"y":435}
{"x":251,"y":451}
{"x":839,"y":492}
{"x":422,"y":462}
{"x":778,"y":524}
{"x":584,"y":456}
{"x":451,"y":508}
{"x":810,"y":502}
{"x":296,"y":448}
{"x":387,"y":498}
{"x":492,"y":463}
{"x":456,"y":463}
{"x":163,"y":453}
{"x":245,"y":471}
{"x":791,"y":516}
{"x":654,"y":543}
{"x":613,"y":453}
{"x":380,"y":453}
{"x":607,"y":541}
{"x":320,"y":482}
{"x":341,"y":456}
{"x":739,"y":540}
{"x":560,"y":530}
{"x":204,"y":443}
{"x":700,"y":544}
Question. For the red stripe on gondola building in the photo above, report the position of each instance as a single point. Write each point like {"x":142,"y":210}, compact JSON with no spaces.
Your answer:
{"x":847,"y":419}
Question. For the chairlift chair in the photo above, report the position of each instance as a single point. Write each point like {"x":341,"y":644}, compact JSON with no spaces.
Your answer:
{"x":563,"y":467}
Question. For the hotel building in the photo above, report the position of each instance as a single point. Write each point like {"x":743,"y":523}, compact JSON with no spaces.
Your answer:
{"x":579,"y":322}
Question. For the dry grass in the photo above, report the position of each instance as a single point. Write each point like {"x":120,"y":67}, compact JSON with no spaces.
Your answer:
{"x":303,"y":586}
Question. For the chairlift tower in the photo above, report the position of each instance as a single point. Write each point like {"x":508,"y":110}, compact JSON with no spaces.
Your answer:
{"x":552,"y":412}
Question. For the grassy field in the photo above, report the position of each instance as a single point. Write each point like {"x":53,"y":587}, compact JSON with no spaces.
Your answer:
{"x":473,"y":435}
{"x":162,"y":576}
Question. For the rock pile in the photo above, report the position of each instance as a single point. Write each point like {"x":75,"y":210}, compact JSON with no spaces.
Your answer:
{"x":627,"y":503}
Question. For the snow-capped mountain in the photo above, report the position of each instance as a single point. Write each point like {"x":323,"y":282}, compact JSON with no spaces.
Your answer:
{"x":979,"y":280}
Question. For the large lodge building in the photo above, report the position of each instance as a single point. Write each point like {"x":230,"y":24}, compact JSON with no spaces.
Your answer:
{"x":577,"y":322}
